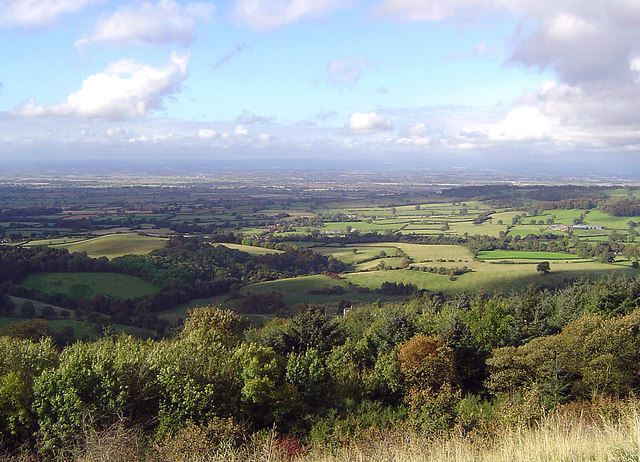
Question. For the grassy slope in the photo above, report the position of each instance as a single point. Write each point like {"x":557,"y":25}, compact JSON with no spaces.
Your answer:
{"x":253,"y":250}
{"x":491,"y":277}
{"x":523,"y":255}
{"x":116,"y":245}
{"x":87,"y":285}
{"x":296,"y":290}
{"x":363,"y":252}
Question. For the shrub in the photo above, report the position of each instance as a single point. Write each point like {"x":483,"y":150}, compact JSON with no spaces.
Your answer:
{"x":21,"y":362}
{"x":99,"y":382}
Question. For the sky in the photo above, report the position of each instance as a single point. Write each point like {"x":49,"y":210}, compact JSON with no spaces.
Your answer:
{"x":543,"y":84}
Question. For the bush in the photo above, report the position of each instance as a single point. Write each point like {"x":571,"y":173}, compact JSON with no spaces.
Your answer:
{"x":100,"y":382}
{"x":21,"y":362}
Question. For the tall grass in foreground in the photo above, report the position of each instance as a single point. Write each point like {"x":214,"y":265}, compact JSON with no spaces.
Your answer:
{"x":557,"y":438}
{"x":608,"y":433}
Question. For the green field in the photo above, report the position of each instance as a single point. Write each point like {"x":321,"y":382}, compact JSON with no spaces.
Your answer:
{"x":356,"y":254}
{"x":253,"y":250}
{"x":392,"y":262}
{"x":115,"y":245}
{"x":598,"y":218}
{"x":422,"y":253}
{"x":88,"y":285}
{"x":486,"y":228}
{"x":524,"y":230}
{"x":524,"y":255}
{"x":492,"y":277}
{"x":54,"y":242}
{"x":296,"y":291}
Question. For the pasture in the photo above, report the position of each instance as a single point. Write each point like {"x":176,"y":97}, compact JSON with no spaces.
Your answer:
{"x":524,"y":255}
{"x":250,"y":249}
{"x":112,"y":245}
{"x":423,"y":253}
{"x":88,"y":285}
{"x":492,"y":276}
{"x":295,"y":291}
{"x":356,"y":254}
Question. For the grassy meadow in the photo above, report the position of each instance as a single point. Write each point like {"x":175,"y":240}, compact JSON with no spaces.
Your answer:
{"x":487,"y":276}
{"x":116,"y":245}
{"x":250,"y":249}
{"x":88,"y":285}
{"x":524,"y":255}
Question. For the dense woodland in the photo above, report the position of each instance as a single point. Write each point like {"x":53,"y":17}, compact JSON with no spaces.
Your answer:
{"x":435,"y":365}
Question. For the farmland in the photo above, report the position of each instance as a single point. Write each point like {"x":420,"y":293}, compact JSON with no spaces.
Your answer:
{"x":418,"y":233}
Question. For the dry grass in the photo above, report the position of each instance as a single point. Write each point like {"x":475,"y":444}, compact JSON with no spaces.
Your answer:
{"x":610,"y":434}
{"x":559,"y":438}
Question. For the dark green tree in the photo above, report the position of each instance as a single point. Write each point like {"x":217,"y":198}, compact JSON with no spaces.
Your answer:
{"x":543,"y":267}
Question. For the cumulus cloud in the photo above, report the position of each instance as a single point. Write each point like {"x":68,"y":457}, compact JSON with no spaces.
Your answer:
{"x":149,"y":23}
{"x":125,"y":89}
{"x":35,"y":13}
{"x":415,"y":141}
{"x":345,"y":73}
{"x":117,"y":133}
{"x":418,"y":129}
{"x":415,"y":136}
{"x":207,"y":134}
{"x":240,"y":130}
{"x":368,"y":122}
{"x":270,"y":14}
{"x":522,"y":124}
{"x":156,"y":138}
{"x":591,"y":47}
{"x":582,"y":41}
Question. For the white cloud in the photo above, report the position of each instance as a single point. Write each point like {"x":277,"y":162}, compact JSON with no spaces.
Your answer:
{"x":270,"y":14}
{"x":157,"y":138}
{"x":415,"y":141}
{"x":368,"y":122}
{"x":149,"y":23}
{"x":592,"y":48}
{"x":126,"y":89}
{"x":240,"y":130}
{"x":345,"y":73}
{"x":207,"y":134}
{"x":117,"y":133}
{"x":522,"y":124}
{"x":35,"y":13}
{"x":418,"y":129}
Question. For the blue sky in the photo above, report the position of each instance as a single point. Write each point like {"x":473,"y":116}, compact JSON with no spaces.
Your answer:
{"x":516,"y":80}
